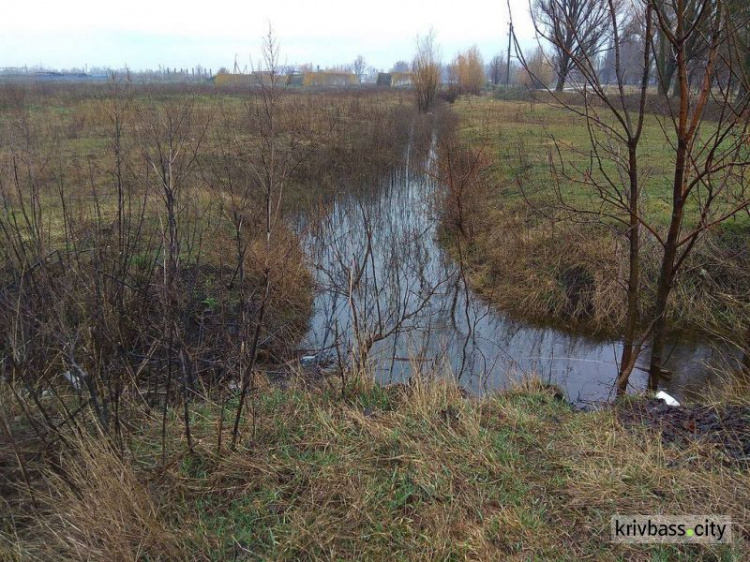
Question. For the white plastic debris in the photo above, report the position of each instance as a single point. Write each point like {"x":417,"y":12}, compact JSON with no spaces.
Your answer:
{"x":668,"y":400}
{"x":74,"y":380}
{"x":308,"y":360}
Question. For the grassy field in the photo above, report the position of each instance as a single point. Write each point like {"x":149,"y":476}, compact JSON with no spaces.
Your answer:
{"x":110,"y":471}
{"x":537,"y":261}
{"x":395,"y":473}
{"x":523,"y":137}
{"x":83,"y":178}
{"x":69,"y":132}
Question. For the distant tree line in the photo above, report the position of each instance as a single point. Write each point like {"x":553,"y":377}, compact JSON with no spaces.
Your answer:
{"x":571,"y":29}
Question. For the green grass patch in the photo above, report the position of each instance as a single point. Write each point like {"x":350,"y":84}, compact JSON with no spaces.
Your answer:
{"x":523,"y":138}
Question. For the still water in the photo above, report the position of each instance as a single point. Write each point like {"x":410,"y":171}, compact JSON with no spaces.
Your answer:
{"x":382,"y":277}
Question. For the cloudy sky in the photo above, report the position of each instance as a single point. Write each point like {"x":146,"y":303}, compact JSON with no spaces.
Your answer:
{"x":147,"y":33}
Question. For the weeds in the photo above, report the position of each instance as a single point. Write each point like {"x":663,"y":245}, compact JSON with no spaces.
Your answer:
{"x":412,"y":471}
{"x":148,"y":240}
{"x":550,"y":268}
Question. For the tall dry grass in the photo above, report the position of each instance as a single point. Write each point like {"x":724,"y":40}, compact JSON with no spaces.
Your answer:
{"x":416,"y":471}
{"x":97,"y":508}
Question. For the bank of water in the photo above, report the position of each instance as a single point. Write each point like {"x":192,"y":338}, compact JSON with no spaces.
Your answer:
{"x":380,"y":272}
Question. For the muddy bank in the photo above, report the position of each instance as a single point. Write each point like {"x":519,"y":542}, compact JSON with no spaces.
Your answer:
{"x":723,"y":428}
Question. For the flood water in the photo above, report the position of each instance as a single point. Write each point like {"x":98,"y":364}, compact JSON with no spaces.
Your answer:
{"x":381,"y":275}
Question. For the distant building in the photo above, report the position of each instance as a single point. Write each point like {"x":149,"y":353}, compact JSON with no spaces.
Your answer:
{"x":49,"y":76}
{"x":395,"y":79}
{"x":252,"y":79}
{"x":329,"y":79}
{"x":296,"y":79}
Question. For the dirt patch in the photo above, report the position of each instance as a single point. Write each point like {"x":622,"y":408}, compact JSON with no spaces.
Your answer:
{"x":725,"y":427}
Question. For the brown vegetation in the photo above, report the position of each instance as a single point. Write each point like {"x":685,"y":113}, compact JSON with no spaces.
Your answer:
{"x":426,"y":72}
{"x":467,"y":72}
{"x":147,"y":236}
{"x":413,"y":471}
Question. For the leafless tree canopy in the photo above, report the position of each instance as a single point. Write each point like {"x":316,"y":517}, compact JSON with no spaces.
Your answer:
{"x":496,"y":69}
{"x":400,"y":66}
{"x":572,"y":27}
{"x":359,"y":66}
{"x":628,"y":53}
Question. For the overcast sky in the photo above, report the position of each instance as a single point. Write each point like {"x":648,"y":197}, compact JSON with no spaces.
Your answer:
{"x":147,"y":33}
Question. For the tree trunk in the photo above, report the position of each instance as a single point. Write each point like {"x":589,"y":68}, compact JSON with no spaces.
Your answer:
{"x":660,"y":322}
{"x":562,"y":74}
{"x":563,"y":68}
{"x":666,"y":274}
{"x":630,"y":350}
{"x":666,"y":66}
{"x":742,"y":93}
{"x":667,"y":271}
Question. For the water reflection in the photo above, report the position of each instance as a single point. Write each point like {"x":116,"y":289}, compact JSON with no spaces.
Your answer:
{"x":388,"y":294}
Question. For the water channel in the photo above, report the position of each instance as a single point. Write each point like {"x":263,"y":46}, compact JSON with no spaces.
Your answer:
{"x":381,"y":274}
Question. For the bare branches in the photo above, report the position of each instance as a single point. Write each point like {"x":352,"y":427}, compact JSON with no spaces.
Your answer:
{"x":704,"y":125}
{"x":576,"y":29}
{"x":426,"y":67}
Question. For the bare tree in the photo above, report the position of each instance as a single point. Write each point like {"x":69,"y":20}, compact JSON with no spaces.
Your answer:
{"x":709,"y":174}
{"x":695,"y":48}
{"x":574,"y":28}
{"x":615,"y":142}
{"x":496,"y":69}
{"x":400,"y":66}
{"x":359,"y":66}
{"x":271,"y":175}
{"x":467,"y":71}
{"x":275,"y":158}
{"x":171,"y":150}
{"x":707,"y":133}
{"x":538,"y":72}
{"x":628,"y":53}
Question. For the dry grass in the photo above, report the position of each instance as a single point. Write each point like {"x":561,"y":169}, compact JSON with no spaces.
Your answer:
{"x":530,"y":260}
{"x":627,"y":472}
{"x":521,"y":268}
{"x":413,"y":472}
{"x":98,"y":509}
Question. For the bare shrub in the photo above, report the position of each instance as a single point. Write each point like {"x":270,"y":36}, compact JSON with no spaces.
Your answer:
{"x":426,"y":68}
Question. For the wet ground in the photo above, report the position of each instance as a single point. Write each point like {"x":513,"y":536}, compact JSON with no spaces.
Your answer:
{"x":726,"y":428}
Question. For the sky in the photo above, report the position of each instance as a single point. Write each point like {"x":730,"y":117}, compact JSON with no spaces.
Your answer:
{"x":144,"y":34}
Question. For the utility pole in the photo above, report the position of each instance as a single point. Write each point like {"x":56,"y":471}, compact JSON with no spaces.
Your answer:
{"x":507,"y":70}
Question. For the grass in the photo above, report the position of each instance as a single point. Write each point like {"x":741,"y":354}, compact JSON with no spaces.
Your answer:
{"x":59,"y":155}
{"x":521,"y":137}
{"x":415,"y":472}
{"x":404,"y":472}
{"x":533,"y":262}
{"x":66,"y":136}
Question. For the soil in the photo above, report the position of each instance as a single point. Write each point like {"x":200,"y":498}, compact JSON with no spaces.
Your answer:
{"x":727,"y":428}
